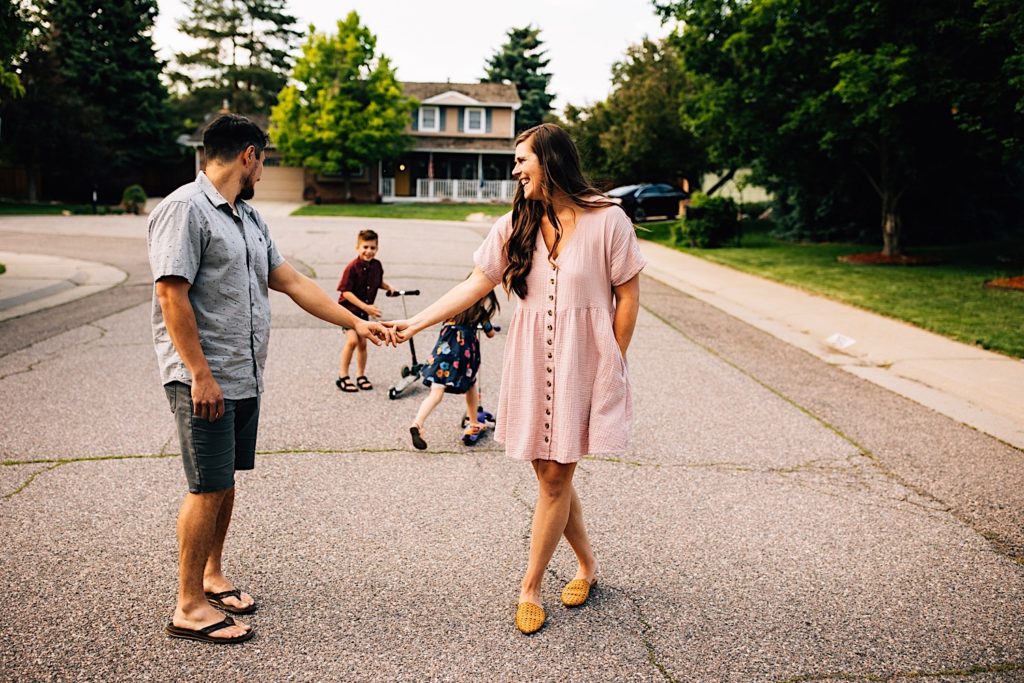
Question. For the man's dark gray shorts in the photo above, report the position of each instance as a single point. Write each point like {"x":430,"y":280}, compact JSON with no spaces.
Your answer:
{"x":212,"y":451}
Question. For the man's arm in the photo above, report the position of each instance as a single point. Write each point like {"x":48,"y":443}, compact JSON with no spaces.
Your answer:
{"x":207,"y":397}
{"x":310,"y":298}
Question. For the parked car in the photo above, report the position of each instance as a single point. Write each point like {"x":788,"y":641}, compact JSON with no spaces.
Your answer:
{"x":642,"y":201}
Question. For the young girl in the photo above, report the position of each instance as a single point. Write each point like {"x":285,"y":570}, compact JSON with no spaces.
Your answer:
{"x":453,"y":365}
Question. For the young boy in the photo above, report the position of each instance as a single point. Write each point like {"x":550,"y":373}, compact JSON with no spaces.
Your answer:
{"x":358,"y":286}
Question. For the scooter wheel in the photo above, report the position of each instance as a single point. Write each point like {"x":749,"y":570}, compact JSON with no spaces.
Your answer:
{"x":405,"y":371}
{"x":392,"y":394}
{"x":470,"y":439}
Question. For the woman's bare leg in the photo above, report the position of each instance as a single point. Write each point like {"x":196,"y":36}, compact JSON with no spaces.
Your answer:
{"x":576,"y":535}
{"x":554,"y":500}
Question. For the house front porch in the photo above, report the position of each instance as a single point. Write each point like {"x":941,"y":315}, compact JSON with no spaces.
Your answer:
{"x":463,"y":176}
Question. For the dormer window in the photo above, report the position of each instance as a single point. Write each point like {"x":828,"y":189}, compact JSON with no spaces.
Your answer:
{"x":475,"y":120}
{"x":430,"y":119}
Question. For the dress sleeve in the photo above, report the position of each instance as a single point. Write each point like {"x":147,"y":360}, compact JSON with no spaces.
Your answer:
{"x":625,"y":258}
{"x":490,"y":256}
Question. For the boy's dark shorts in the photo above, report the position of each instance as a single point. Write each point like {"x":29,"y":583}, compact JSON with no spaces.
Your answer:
{"x":212,"y":451}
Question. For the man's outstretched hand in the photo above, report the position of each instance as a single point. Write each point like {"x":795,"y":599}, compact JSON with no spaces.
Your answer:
{"x":377,"y":333}
{"x":401,"y":329}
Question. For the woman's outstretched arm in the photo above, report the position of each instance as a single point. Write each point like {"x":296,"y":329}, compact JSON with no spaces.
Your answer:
{"x":457,"y":299}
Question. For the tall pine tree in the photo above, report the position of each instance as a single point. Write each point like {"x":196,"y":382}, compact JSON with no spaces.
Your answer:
{"x":520,"y":61}
{"x":95,"y":113}
{"x":244,"y":56}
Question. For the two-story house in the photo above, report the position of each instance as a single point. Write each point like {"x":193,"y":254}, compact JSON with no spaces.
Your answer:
{"x":463,"y":150}
{"x":463,"y":147}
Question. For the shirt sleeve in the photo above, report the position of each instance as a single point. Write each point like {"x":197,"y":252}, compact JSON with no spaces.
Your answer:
{"x":490,"y":256}
{"x":175,"y":241}
{"x":625,"y":258}
{"x":274,"y":258}
{"x":346,"y":282}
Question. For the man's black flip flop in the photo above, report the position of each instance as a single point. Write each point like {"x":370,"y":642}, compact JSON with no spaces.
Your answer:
{"x":217,"y":600}
{"x":203,"y":634}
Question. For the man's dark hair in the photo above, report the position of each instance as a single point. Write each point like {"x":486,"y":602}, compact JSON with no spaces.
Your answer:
{"x":229,"y":134}
{"x":366,"y":236}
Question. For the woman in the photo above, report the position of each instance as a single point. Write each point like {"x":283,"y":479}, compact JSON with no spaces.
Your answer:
{"x":572,"y":259}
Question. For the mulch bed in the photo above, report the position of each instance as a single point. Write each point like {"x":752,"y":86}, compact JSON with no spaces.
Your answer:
{"x":1016,"y":283}
{"x":877,"y":258}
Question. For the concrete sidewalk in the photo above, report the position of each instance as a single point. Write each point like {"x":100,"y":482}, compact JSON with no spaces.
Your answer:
{"x":33,"y":282}
{"x":978,"y":388}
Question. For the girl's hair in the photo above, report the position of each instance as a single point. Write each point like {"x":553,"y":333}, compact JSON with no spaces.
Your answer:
{"x":560,"y":162}
{"x":480,"y":312}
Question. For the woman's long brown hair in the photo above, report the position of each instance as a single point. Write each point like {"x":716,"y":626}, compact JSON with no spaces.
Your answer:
{"x":560,"y":161}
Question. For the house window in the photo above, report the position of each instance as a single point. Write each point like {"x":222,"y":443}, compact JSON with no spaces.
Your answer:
{"x":475,"y":121}
{"x":430,"y":119}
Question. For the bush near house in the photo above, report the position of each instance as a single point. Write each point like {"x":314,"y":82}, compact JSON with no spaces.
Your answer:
{"x":710,"y":222}
{"x":134,"y":199}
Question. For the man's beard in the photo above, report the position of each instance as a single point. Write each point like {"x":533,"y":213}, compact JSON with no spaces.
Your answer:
{"x":248,"y":190}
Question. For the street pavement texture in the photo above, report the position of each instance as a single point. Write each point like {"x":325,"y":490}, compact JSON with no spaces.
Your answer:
{"x":776,"y":519}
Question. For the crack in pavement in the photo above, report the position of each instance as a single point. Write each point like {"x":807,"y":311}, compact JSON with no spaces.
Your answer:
{"x":56,"y":462}
{"x":1000,"y":546}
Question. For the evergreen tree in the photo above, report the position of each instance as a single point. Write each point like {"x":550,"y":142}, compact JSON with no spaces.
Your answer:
{"x":243,"y":59}
{"x":14,"y":31}
{"x":95,"y":112}
{"x":520,"y":61}
{"x":347,"y":109}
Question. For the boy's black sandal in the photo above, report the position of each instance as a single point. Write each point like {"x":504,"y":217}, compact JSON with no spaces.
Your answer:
{"x":363,"y":383}
{"x":345,"y":384}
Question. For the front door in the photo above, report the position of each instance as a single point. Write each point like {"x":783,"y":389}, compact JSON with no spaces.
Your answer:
{"x":402,"y":185}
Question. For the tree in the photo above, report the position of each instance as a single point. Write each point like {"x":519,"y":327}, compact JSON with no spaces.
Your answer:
{"x":520,"y":61}
{"x":635,"y":135}
{"x":830,"y":102}
{"x":14,"y":31}
{"x":244,"y":56}
{"x":94,"y":112}
{"x":345,"y":108}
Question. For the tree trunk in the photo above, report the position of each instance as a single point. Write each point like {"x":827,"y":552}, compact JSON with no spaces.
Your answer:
{"x":30,"y":180}
{"x":890,"y":227}
{"x":721,"y":181}
{"x":348,"y":187}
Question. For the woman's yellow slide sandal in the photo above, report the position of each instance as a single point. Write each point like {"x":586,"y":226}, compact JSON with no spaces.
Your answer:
{"x":576,"y":592}
{"x":529,"y":617}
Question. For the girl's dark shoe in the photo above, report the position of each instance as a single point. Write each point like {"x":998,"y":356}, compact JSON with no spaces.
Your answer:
{"x":417,"y":440}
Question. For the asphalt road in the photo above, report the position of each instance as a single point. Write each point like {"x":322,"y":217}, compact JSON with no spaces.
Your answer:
{"x":776,"y":518}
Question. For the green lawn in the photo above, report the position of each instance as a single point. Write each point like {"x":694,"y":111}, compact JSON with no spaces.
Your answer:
{"x":948,"y":299}
{"x":431,"y":211}
{"x":9,"y":208}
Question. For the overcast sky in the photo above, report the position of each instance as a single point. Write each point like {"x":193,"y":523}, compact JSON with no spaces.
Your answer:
{"x":453,"y":39}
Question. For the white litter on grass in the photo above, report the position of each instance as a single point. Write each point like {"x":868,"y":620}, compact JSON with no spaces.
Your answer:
{"x":840,"y":341}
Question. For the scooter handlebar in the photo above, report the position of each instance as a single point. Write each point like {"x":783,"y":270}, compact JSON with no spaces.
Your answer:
{"x":402,"y":292}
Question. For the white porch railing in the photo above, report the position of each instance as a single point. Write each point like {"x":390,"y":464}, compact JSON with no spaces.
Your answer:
{"x":387,"y":188}
{"x":487,"y":190}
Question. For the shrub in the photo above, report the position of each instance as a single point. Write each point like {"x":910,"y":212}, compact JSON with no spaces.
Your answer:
{"x":134,"y":199}
{"x":710,"y":222}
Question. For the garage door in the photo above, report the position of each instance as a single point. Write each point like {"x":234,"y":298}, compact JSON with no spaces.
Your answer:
{"x":280,"y":184}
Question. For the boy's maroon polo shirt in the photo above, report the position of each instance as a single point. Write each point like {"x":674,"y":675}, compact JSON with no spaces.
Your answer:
{"x":362,"y":278}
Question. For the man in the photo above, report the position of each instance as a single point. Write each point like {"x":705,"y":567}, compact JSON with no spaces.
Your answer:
{"x":213,"y":261}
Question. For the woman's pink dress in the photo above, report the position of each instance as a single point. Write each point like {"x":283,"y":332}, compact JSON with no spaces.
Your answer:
{"x":565,"y":388}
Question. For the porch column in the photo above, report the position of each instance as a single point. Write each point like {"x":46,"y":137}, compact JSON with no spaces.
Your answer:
{"x":479,"y":176}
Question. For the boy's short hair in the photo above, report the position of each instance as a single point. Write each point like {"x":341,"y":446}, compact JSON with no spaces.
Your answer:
{"x":228,"y":135}
{"x":366,"y":236}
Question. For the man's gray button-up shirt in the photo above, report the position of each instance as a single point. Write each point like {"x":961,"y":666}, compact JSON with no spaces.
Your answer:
{"x":227,"y":257}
